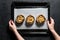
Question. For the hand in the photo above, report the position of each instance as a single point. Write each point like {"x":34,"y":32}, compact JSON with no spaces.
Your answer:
{"x":51,"y":27}
{"x":51,"y":24}
{"x":12,"y":26}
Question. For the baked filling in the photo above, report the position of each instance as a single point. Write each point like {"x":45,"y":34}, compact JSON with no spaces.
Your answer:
{"x":30,"y":19}
{"x":40,"y":19}
{"x":20,"y":19}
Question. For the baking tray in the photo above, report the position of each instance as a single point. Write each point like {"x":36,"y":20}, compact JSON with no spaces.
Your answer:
{"x":30,"y":8}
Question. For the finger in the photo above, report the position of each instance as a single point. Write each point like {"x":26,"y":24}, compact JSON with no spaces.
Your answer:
{"x":10,"y":23}
{"x":52,"y":20}
{"x":47,"y":22}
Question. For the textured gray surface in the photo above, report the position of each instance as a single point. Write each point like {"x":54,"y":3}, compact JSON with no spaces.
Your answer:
{"x":5,"y":14}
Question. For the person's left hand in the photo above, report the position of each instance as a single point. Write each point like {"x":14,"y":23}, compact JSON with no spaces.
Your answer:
{"x":12,"y":25}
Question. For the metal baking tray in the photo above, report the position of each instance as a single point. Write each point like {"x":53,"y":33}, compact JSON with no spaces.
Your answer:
{"x":34,"y":9}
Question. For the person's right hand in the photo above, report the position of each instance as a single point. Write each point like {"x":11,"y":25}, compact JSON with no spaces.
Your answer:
{"x":51,"y":24}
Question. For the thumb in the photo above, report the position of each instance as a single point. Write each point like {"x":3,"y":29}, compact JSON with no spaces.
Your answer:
{"x":12,"y":22}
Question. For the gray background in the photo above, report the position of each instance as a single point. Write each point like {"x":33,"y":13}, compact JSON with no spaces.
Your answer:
{"x":5,"y":15}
